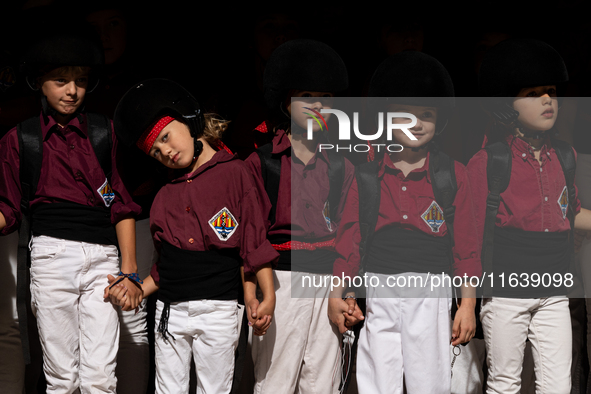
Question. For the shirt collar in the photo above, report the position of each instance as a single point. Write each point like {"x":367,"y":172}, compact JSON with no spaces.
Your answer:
{"x":220,"y":156}
{"x":524,"y":149}
{"x":387,"y":165}
{"x":49,"y":125}
{"x":281,"y":142}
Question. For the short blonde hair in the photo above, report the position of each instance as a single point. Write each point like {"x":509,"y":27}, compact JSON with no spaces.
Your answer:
{"x":214,"y":128}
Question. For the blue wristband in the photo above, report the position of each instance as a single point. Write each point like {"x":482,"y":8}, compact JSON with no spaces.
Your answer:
{"x":132,"y":277}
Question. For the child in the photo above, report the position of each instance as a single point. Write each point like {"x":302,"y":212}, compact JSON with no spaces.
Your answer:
{"x":521,"y":80}
{"x":79,"y":216}
{"x":206,"y":224}
{"x":408,"y":338}
{"x":301,"y":348}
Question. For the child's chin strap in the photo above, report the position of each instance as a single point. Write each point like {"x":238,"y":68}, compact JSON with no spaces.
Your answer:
{"x":198,"y":148}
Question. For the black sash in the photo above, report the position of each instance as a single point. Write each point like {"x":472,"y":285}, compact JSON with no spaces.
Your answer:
{"x":187,"y":275}
{"x":319,"y":261}
{"x":74,"y":222}
{"x":395,"y":250}
{"x":541,"y":254}
{"x":194,"y":275}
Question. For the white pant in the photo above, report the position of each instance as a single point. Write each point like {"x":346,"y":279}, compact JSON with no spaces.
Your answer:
{"x":507,"y":323}
{"x":404,"y":338}
{"x":468,"y":376}
{"x":78,"y":329}
{"x":300,"y":352}
{"x":206,"y":330}
{"x":133,"y":358}
{"x":12,"y":365}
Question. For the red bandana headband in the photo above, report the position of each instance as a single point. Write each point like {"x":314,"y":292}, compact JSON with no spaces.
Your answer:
{"x":146,"y":141}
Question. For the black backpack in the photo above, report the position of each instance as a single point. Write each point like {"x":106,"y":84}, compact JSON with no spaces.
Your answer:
{"x":498,"y":172}
{"x":271,"y":172}
{"x":30,"y":142}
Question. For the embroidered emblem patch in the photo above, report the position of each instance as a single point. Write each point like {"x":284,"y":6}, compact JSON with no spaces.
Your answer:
{"x":563,"y":202}
{"x":326,"y":215}
{"x":106,"y":193}
{"x":433,"y":216}
{"x":223,"y":224}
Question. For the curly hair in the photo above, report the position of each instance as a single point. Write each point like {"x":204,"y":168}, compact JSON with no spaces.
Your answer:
{"x":214,"y":128}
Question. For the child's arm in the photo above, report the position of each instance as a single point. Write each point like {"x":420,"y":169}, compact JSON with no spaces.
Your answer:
{"x":583,"y":220}
{"x":343,"y":313}
{"x":126,"y":238}
{"x":464,"y":326}
{"x":264,"y":311}
{"x":251,"y":303}
{"x":117,"y":293}
{"x":2,"y":221}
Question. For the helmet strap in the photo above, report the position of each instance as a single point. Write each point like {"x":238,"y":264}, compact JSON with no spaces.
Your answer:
{"x":198,"y":148}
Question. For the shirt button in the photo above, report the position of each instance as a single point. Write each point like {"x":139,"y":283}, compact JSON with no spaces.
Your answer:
{"x":72,"y":146}
{"x":548,"y":153}
{"x":78,"y":174}
{"x":546,"y":230}
{"x":403,"y":188}
{"x":540,"y":169}
{"x":523,"y":155}
{"x":307,"y":205}
{"x":91,"y":199}
{"x":545,"y":198}
{"x":405,"y":217}
{"x":191,"y":240}
{"x":305,"y":175}
{"x":188,"y":209}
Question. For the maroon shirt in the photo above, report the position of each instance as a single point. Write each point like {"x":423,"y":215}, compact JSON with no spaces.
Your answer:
{"x":188,"y":213}
{"x":70,"y":172}
{"x":532,"y":201}
{"x":303,"y":191}
{"x":403,"y":202}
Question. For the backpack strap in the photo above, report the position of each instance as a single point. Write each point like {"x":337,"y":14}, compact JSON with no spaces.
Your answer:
{"x":567,"y":160}
{"x":336,"y":178}
{"x":271,"y":173}
{"x":443,"y":181}
{"x":30,"y":141}
{"x":498,"y":172}
{"x":368,"y":186}
{"x":566,"y":157}
{"x":101,"y":139}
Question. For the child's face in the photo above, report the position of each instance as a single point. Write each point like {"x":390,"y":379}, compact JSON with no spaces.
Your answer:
{"x":174,"y":146}
{"x":537,"y":107}
{"x":65,"y":88}
{"x":424,"y":130}
{"x":313,"y":100}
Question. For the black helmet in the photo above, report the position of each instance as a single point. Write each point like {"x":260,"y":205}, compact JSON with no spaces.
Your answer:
{"x":63,"y":49}
{"x":515,"y":64}
{"x":519,"y":63}
{"x":148,"y":101}
{"x":303,"y":65}
{"x":414,"y":78}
